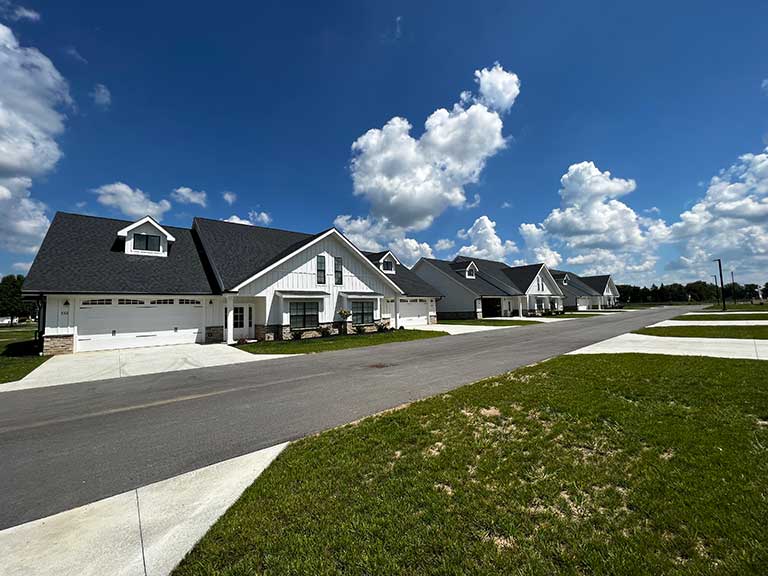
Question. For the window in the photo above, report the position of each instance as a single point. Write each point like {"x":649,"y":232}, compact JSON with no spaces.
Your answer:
{"x":162,"y":301}
{"x":470,"y":272}
{"x":97,"y":302}
{"x":189,"y":301}
{"x":321,"y":269}
{"x":304,"y":315}
{"x":362,"y":312}
{"x":239,"y":317}
{"x":129,"y":301}
{"x":146,"y":242}
{"x":387,"y":266}
{"x":338,"y":271}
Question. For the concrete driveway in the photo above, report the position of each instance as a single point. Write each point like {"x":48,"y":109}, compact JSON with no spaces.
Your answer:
{"x":107,"y":364}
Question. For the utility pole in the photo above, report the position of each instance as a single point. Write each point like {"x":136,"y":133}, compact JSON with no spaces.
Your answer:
{"x":722,"y":286}
{"x":733,"y":288}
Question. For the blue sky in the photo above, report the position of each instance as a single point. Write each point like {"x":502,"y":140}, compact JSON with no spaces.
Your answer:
{"x":609,"y":138}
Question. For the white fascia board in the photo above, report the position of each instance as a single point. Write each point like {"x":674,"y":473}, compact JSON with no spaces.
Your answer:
{"x":389,"y":253}
{"x":147,"y":219}
{"x":331,"y":232}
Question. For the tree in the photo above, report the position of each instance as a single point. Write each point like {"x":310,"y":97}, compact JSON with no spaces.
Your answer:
{"x":11,"y":303}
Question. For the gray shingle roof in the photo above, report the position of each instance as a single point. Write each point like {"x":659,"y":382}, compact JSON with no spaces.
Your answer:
{"x":598,"y":283}
{"x":482,"y":284}
{"x":83,"y":254}
{"x":407,"y":280}
{"x":238,"y":251}
{"x":576,"y":286}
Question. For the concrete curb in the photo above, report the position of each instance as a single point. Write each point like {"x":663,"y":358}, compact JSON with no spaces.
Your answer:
{"x":144,"y":531}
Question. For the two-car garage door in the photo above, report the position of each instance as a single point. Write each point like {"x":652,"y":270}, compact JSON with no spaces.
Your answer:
{"x":111,"y":323}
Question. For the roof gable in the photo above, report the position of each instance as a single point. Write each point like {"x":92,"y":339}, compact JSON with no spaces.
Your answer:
{"x":123,"y":232}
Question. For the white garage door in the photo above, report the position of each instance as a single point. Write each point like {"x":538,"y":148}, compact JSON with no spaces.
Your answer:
{"x":414,"y":312}
{"x":111,"y":323}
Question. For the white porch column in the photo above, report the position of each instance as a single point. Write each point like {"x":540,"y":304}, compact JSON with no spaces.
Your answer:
{"x":230,"y":303}
{"x":396,"y":312}
{"x":520,"y":306}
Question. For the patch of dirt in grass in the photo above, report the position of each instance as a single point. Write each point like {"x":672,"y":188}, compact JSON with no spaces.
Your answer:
{"x":667,"y":455}
{"x":444,"y":488}
{"x":501,"y":542}
{"x":491,"y":412}
{"x":435,"y":450}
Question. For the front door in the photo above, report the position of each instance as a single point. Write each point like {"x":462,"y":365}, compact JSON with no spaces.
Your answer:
{"x":243,"y":321}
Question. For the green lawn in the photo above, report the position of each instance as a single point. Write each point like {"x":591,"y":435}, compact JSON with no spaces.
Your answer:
{"x":485,"y":322}
{"x":337,"y":342}
{"x":750,"y":332}
{"x":713,"y":316}
{"x":640,"y":305}
{"x":615,"y":464}
{"x":18,"y":354}
{"x":737,"y":307}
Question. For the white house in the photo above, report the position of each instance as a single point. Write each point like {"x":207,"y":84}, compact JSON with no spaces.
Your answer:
{"x":578,"y":294}
{"x":605,"y":287}
{"x":106,"y":284}
{"x":478,"y":288}
{"x":416,"y":306}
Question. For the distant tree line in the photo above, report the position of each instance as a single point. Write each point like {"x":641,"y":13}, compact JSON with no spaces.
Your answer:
{"x":698,"y":291}
{"x":11,"y":303}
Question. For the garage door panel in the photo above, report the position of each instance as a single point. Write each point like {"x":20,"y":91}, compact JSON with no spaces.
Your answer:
{"x":110,"y":327}
{"x":414,"y":313}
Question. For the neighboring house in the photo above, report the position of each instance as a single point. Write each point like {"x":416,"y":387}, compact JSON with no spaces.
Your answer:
{"x":416,"y":306}
{"x":5,"y":320}
{"x":477,"y":288}
{"x":604,"y":286}
{"x":106,"y":284}
{"x":578,"y":294}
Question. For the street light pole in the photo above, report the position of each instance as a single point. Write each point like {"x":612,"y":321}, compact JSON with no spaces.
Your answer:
{"x":717,"y":290}
{"x":733,"y":288}
{"x":722,"y":286}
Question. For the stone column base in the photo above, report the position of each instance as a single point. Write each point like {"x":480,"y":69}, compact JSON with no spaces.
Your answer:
{"x":54,"y":345}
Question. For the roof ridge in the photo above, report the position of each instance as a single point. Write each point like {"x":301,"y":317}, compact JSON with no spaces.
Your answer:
{"x":257,"y":226}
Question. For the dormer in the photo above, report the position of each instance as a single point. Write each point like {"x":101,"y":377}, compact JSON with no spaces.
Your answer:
{"x":146,"y":238}
{"x":387,"y":263}
{"x":565,"y":280}
{"x":470,"y":271}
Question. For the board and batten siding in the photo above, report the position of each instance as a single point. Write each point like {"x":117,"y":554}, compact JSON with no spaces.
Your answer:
{"x":456,"y":298}
{"x":299,"y":274}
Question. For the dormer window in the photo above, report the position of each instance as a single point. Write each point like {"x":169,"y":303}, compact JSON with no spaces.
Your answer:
{"x":470,"y":273}
{"x":470,"y":270}
{"x":388,"y":266}
{"x":146,"y":238}
{"x":146,"y":242}
{"x":565,"y":280}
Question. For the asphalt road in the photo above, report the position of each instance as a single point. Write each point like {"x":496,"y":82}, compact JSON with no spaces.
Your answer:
{"x":65,"y":446}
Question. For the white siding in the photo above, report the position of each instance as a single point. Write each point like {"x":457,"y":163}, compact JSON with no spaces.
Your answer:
{"x":300,"y":274}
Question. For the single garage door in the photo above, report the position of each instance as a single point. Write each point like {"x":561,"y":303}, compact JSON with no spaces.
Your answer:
{"x":414,"y":312}
{"x":111,"y":323}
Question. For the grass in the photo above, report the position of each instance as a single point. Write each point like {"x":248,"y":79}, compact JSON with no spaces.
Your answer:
{"x":748,"y":332}
{"x":713,"y":316}
{"x":18,"y":354}
{"x":737,"y":307}
{"x":616,"y":464}
{"x":310,"y":345}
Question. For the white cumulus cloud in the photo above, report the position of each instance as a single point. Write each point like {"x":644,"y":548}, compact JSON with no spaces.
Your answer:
{"x":444,"y":244}
{"x":132,"y":202}
{"x":33,"y":96}
{"x":498,"y":88}
{"x":101,"y":96}
{"x":229,"y":197}
{"x":186,"y":195}
{"x":409,"y":180}
{"x":484,"y":242}
{"x":255,"y":218}
{"x":17,"y":12}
